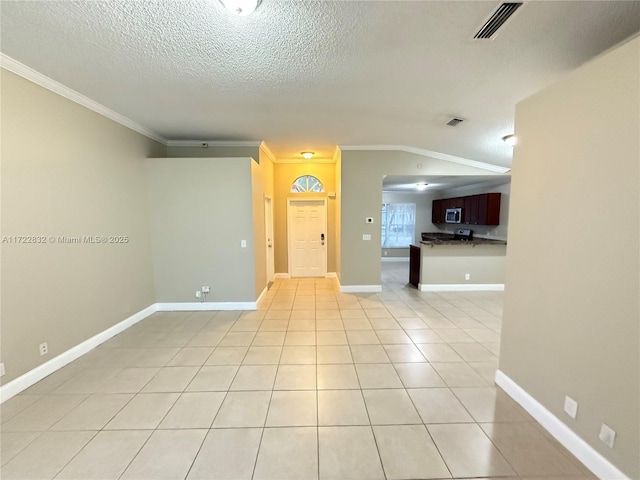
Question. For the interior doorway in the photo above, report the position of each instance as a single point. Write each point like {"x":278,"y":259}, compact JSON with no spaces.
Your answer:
{"x":307,"y":237}
{"x":268,"y":230}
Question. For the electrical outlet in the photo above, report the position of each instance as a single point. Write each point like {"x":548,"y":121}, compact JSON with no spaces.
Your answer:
{"x":243,"y":244}
{"x":198,"y":294}
{"x":467,"y":276}
{"x":607,"y":435}
{"x":205,"y":289}
{"x":570,"y":406}
{"x":44,"y":348}
{"x":366,"y":236}
{"x":2,"y":370}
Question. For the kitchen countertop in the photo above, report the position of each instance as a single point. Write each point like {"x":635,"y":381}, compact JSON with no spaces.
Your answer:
{"x":474,"y":242}
{"x":447,"y":239}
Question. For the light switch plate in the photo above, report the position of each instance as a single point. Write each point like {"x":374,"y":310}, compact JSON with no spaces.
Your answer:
{"x":570,"y":406}
{"x":366,"y":236}
{"x":607,"y":435}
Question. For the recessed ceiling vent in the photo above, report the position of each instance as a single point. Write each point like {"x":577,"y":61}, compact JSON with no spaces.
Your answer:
{"x":497,"y":20}
{"x":454,"y":121}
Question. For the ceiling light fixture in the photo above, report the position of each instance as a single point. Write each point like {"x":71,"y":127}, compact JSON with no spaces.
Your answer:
{"x":241,"y":8}
{"x":510,"y":140}
{"x":307,"y":155}
{"x":421,"y":186}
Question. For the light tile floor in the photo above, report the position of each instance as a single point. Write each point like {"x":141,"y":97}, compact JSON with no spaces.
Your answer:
{"x":315,"y":384}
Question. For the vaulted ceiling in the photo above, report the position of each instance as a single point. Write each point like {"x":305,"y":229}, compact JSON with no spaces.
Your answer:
{"x":307,"y":75}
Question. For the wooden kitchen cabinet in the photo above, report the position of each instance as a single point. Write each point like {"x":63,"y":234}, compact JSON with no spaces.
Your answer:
{"x":489,"y":209}
{"x":437,"y":214}
{"x":470,"y":210}
{"x":483,"y":209}
{"x":414,"y":265}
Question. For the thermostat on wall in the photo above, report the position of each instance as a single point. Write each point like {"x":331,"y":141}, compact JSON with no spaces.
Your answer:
{"x":368,"y":220}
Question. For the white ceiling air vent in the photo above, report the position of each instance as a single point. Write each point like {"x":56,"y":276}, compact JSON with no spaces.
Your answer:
{"x":497,"y":20}
{"x":455,"y":121}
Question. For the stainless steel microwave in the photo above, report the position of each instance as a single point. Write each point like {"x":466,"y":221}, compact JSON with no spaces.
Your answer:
{"x":453,"y":215}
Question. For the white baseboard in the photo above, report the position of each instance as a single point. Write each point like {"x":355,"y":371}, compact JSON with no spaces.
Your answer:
{"x":202,"y":306}
{"x":286,"y":275}
{"x":360,"y":288}
{"x":461,"y":287}
{"x":584,"y":452}
{"x":264,"y":292}
{"x":33,"y":376}
{"x":395,"y":259}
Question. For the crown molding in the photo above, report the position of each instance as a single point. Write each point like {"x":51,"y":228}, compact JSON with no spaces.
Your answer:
{"x":304,"y":161}
{"x":267,"y":151}
{"x":337,"y":154}
{"x":429,"y":153}
{"x":212,"y":143}
{"x":38,"y":78}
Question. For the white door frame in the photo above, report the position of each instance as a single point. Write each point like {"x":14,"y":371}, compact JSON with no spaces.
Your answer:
{"x":323,"y":203}
{"x":268,"y":232}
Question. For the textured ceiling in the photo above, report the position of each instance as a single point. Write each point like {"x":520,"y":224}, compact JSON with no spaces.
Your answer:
{"x":408,"y":184}
{"x":307,"y":75}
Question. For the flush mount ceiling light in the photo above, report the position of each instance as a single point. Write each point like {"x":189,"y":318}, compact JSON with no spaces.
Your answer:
{"x":421,"y":186}
{"x":510,"y":140}
{"x":307,"y":155}
{"x":241,"y":8}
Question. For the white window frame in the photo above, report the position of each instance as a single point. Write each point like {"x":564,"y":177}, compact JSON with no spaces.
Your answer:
{"x":395,"y":223}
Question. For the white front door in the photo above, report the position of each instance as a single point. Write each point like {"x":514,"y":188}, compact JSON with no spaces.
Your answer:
{"x":268,"y":230}
{"x":307,"y":235}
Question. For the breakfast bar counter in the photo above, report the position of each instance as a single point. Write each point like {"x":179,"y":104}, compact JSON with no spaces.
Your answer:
{"x":471,"y":243}
{"x":448,"y":263}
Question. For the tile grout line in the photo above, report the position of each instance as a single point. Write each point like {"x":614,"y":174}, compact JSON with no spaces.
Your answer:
{"x":266,"y":415}
{"x":206,"y":435}
{"x":165,"y":415}
{"x":375,"y":440}
{"x":317,"y":408}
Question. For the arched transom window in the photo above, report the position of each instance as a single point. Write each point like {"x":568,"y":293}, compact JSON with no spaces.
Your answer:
{"x":307,"y":183}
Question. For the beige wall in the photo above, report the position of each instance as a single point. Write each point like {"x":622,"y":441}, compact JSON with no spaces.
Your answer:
{"x":201,"y":209}
{"x":68,"y":171}
{"x":362,"y":173}
{"x":214,"y":152}
{"x":284,"y":175}
{"x":571,"y":305}
{"x":498,"y":232}
{"x":448,"y":264}
{"x":262,"y":185}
